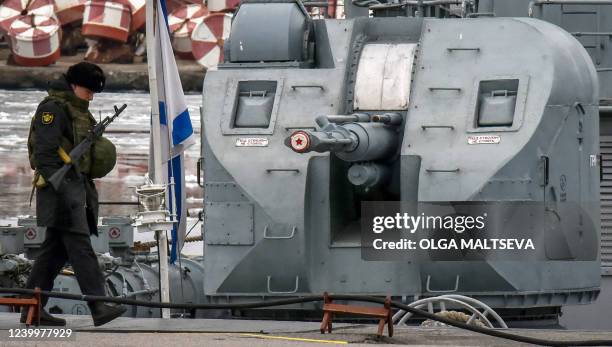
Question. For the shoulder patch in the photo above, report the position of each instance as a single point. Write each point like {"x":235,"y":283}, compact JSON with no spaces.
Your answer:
{"x":47,"y":117}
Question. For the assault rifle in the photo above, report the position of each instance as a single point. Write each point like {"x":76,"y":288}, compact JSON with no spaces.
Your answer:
{"x":77,"y":152}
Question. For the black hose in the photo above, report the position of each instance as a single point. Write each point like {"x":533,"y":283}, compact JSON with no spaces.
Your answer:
{"x":477,"y":329}
{"x":315,"y":298}
{"x":94,"y":298}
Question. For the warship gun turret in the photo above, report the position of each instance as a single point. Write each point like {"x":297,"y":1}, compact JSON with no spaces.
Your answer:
{"x":363,"y":140}
{"x":308,"y":119}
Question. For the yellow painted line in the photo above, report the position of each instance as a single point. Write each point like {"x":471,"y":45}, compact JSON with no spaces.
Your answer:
{"x":262,"y":336}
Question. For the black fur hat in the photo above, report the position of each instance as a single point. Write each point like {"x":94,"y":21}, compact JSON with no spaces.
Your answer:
{"x":86,"y":75}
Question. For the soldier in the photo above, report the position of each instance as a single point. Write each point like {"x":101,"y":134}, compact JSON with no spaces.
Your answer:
{"x":70,"y":214}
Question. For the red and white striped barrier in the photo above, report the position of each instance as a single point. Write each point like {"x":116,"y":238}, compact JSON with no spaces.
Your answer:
{"x":208,"y":38}
{"x":172,"y":5}
{"x":35,"y":40}
{"x":106,"y":19}
{"x":137,"y":9}
{"x":12,"y":9}
{"x":223,"y":5}
{"x":182,"y":22}
{"x":69,"y":11}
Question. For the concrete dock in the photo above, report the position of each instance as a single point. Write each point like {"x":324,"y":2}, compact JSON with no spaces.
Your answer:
{"x":118,"y":76}
{"x":219,"y":332}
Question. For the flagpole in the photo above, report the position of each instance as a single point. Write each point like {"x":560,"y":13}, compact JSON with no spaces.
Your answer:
{"x":157,"y":158}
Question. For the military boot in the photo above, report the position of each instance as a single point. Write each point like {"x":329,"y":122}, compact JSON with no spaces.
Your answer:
{"x":45,"y":318}
{"x":103,"y":313}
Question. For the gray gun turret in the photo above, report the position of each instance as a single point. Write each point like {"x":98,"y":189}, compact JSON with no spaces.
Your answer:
{"x":422,"y":113}
{"x":353,"y":138}
{"x":358,"y":138}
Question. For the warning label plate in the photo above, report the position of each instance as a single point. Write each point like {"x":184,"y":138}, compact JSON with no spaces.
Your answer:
{"x":252,"y":142}
{"x":483,"y":139}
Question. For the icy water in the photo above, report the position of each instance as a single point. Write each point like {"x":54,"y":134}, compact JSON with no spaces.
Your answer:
{"x":129,"y":132}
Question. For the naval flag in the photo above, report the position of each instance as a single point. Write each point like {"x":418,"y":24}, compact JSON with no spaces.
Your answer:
{"x":175,"y":125}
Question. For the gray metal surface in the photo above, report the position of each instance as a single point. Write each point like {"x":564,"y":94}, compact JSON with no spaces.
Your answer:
{"x":138,"y":280}
{"x":282,"y":39}
{"x":127,"y":275}
{"x":589,"y":21}
{"x":555,"y":115}
{"x":606,"y":202}
{"x":11,"y":240}
{"x":594,"y":316}
{"x":115,"y":234}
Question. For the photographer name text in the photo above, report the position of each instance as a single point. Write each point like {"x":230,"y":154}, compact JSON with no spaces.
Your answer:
{"x":454,"y":224}
{"x":446,"y":244}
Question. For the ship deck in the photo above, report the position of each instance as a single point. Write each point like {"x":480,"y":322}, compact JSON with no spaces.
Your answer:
{"x":221,"y":332}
